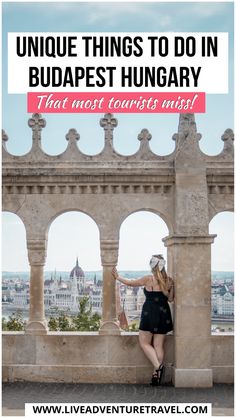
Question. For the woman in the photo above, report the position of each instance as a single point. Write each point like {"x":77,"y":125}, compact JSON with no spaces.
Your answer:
{"x":156,"y":318}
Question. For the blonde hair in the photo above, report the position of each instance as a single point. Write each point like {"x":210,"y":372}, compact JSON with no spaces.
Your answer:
{"x":161,"y":276}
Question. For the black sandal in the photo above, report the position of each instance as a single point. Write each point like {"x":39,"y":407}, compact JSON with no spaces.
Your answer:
{"x":161,"y":373}
{"x":158,"y":376}
{"x":155,"y":379}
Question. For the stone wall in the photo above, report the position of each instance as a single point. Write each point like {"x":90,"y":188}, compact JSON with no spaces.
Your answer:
{"x":93,"y":358}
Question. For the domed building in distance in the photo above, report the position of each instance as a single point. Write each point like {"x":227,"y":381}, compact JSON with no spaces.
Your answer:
{"x":78,"y":274}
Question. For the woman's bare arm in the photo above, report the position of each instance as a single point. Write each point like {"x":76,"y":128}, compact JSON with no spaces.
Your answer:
{"x":133,"y":283}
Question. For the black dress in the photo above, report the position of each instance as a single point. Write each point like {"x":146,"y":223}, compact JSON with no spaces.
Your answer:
{"x":156,"y":315}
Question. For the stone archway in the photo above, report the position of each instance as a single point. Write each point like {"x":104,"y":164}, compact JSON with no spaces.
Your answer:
{"x":136,"y":231}
{"x":222,"y":262}
{"x":73,"y":241}
{"x":140,"y":237}
{"x":186,"y":186}
{"x":222,"y":224}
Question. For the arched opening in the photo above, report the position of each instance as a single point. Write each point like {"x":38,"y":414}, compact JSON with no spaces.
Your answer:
{"x":73,"y":277}
{"x":141,"y":236}
{"x":15,"y":273}
{"x":222,"y":265}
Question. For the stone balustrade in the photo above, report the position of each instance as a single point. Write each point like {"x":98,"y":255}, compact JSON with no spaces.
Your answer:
{"x":93,"y":358}
{"x":186,"y":188}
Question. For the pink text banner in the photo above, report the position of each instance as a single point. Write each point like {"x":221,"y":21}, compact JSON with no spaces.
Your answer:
{"x":116,"y":102}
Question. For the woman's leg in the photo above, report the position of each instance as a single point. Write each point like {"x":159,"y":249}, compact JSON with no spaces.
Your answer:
{"x":158,"y":343}
{"x":145,"y":341}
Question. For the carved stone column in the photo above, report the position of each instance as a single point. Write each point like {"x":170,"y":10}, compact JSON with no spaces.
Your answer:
{"x":191,"y":258}
{"x":189,"y":249}
{"x":109,"y":257}
{"x":37,"y":254}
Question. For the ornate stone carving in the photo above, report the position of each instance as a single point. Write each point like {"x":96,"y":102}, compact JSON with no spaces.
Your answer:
{"x":187,"y":123}
{"x":144,"y":135}
{"x":145,"y":152}
{"x":228,"y":138}
{"x":187,"y":152}
{"x":188,"y":239}
{"x":114,"y":174}
{"x":37,"y":252}
{"x":228,"y":135}
{"x":221,"y":189}
{"x":4,"y":139}
{"x":108,"y":123}
{"x":87,"y":189}
{"x":37,"y":123}
{"x":187,"y":128}
{"x":72,"y":135}
{"x":109,"y":252}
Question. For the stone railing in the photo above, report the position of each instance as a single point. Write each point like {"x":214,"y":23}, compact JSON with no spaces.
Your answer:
{"x":89,"y":357}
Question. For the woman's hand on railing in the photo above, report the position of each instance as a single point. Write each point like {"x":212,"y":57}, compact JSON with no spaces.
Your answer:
{"x":115,"y":273}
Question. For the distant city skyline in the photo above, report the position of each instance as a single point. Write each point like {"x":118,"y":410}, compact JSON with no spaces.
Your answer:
{"x":63,"y":292}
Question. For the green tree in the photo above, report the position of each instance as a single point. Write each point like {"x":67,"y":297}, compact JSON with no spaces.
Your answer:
{"x":95,"y":322}
{"x":15,"y":322}
{"x":53,"y":324}
{"x":64,"y":323}
{"x":60,"y":322}
{"x":85,"y":320}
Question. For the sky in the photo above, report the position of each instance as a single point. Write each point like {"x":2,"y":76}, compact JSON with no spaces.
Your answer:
{"x":76,"y":234}
{"x":96,"y":17}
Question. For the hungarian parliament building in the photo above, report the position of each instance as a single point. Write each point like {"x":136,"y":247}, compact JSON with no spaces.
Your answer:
{"x":65,"y":295}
